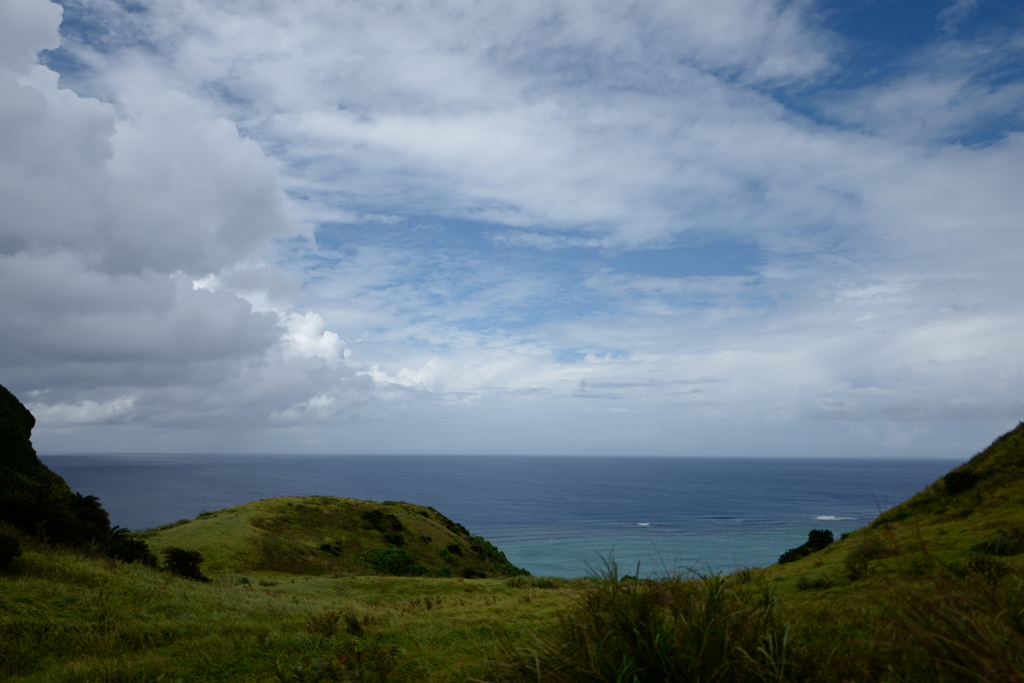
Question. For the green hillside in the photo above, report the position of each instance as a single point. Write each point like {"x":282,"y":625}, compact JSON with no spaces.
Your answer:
{"x":322,"y":536}
{"x":335,"y":590}
{"x":971,"y":521}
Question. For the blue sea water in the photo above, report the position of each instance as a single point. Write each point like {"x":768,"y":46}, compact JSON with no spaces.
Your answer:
{"x":555,"y":516}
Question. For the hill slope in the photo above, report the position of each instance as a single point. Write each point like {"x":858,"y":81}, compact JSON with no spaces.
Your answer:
{"x":320,"y":535}
{"x":969,"y":521}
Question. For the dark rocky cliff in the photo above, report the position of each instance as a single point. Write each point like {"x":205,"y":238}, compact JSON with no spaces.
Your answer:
{"x":21,"y":470}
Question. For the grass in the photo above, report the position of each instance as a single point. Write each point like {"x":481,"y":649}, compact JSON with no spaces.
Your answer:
{"x":321,"y":535}
{"x":932,"y":591}
{"x":68,"y":617}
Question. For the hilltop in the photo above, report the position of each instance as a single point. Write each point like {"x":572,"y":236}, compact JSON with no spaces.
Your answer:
{"x":325,"y":536}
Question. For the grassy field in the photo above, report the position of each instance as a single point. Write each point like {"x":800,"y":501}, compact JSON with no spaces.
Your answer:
{"x":930,"y":591}
{"x":67,"y":617}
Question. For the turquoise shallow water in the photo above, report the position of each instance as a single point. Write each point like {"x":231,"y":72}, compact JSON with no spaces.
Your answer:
{"x":560,"y":516}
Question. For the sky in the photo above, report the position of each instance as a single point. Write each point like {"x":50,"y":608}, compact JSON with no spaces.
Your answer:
{"x":558,"y":227}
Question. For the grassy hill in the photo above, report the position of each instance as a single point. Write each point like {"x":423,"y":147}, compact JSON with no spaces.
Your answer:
{"x":303,"y":589}
{"x":323,"y":536}
{"x":971,"y":521}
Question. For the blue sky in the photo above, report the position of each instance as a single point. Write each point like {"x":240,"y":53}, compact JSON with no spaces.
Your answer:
{"x":569,"y":227}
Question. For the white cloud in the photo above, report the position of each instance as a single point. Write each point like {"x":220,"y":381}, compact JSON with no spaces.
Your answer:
{"x":110,"y":214}
{"x":148,"y":247}
{"x":27,"y":27}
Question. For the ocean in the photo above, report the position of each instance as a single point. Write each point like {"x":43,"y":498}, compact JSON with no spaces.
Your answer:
{"x":555,"y":516}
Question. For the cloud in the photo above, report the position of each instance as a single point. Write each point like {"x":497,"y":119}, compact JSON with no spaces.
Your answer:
{"x":954,"y":14}
{"x":110,"y":214}
{"x":439,"y":226}
{"x":28,"y":27}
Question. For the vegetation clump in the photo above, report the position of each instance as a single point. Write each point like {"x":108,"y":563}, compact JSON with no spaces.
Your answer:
{"x":184,"y":563}
{"x":1007,"y":543}
{"x":960,"y":480}
{"x":393,"y":562}
{"x":674,"y":629}
{"x":816,"y":540}
{"x":10,"y":550}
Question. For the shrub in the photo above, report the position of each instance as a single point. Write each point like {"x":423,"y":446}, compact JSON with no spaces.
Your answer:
{"x":394,"y":562}
{"x":816,"y":540}
{"x":352,"y":625}
{"x":472,"y":573}
{"x":184,"y":563}
{"x":816,"y":584}
{"x":819,"y":538}
{"x":10,"y":550}
{"x":794,"y":554}
{"x":989,"y":568}
{"x":395,"y":539}
{"x":121,"y":546}
{"x":448,"y":557}
{"x":315,"y":672}
{"x":375,"y":518}
{"x":509,"y":569}
{"x":323,"y":624}
{"x":1008,"y":542}
{"x":662,"y":630}
{"x":860,"y":555}
{"x":955,"y":570}
{"x":455,"y":548}
{"x":960,"y":480}
{"x":518,"y":582}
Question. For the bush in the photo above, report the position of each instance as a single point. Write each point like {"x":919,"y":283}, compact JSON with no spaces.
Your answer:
{"x":377,"y":519}
{"x":395,"y":539}
{"x":662,"y":630}
{"x":819,"y":538}
{"x":184,"y":563}
{"x":352,"y":625}
{"x":794,"y":554}
{"x":989,"y":568}
{"x":374,"y":518}
{"x":1007,"y":543}
{"x":121,"y":546}
{"x":455,"y":548}
{"x":816,"y":540}
{"x":870,"y":548}
{"x":323,"y":624}
{"x":394,"y":562}
{"x":10,"y":550}
{"x":816,"y":584}
{"x":315,"y":672}
{"x":485,"y":549}
{"x":960,"y":480}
